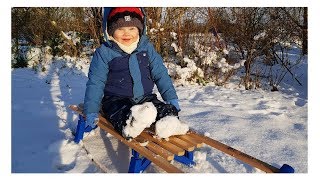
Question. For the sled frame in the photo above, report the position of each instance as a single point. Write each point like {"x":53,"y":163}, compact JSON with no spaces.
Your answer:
{"x":161,"y":152}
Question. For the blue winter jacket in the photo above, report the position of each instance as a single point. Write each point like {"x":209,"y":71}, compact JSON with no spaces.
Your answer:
{"x":113,"y":72}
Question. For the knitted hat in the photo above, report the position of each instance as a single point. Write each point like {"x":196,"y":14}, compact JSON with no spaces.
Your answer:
{"x":124,"y":17}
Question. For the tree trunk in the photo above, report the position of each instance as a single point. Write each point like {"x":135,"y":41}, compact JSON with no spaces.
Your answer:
{"x":180,"y":38}
{"x":305,"y":31}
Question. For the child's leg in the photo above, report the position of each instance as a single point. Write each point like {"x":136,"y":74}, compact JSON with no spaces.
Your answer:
{"x":117,"y":111}
{"x":164,"y":109}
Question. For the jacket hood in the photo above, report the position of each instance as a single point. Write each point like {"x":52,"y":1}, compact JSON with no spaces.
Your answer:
{"x":106,"y":12}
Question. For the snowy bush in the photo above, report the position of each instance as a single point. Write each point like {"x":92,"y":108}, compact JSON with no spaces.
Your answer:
{"x":214,"y":64}
{"x":203,"y":65}
{"x":174,"y":42}
{"x":73,"y":36}
{"x":18,"y":58}
{"x":158,"y":37}
{"x":38,"y":56}
{"x":190,"y":74}
{"x":30,"y":56}
{"x":71,"y":43}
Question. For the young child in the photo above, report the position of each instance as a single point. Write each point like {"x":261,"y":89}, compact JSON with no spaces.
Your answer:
{"x":123,"y":72}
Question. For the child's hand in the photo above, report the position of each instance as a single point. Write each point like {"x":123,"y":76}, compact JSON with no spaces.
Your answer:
{"x":175,"y":103}
{"x":92,"y":120}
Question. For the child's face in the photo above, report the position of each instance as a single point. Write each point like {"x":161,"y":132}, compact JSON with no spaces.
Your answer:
{"x":126,"y":35}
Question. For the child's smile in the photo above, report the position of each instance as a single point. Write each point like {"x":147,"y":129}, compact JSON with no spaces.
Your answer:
{"x":126,"y":35}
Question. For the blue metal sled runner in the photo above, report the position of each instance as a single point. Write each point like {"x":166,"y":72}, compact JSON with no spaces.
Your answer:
{"x":146,"y":149}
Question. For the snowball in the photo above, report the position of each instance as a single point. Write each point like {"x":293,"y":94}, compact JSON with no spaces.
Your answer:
{"x":142,"y":116}
{"x":169,"y":126}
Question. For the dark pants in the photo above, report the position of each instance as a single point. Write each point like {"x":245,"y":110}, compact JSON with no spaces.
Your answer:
{"x":117,"y":109}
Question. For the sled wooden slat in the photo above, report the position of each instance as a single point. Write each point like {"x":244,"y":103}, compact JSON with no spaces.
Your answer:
{"x":235,"y":153}
{"x":189,"y":139}
{"x":182,"y":144}
{"x":158,"y":160}
{"x":159,"y":150}
{"x":164,"y":144}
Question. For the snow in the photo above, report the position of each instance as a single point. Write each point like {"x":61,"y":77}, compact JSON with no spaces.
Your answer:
{"x":259,"y":36}
{"x":143,"y":116}
{"x":175,"y":46}
{"x":271,"y":126}
{"x":169,"y":126}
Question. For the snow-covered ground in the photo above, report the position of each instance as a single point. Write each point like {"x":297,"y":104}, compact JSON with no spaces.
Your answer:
{"x":271,"y":126}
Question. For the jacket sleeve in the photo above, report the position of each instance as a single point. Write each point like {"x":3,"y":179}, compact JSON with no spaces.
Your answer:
{"x":97,"y":77}
{"x":160,"y":75}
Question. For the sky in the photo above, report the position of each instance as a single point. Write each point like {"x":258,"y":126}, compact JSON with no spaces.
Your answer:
{"x":32,"y":86}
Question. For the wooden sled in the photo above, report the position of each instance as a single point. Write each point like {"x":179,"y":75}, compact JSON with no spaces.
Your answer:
{"x":146,"y":149}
